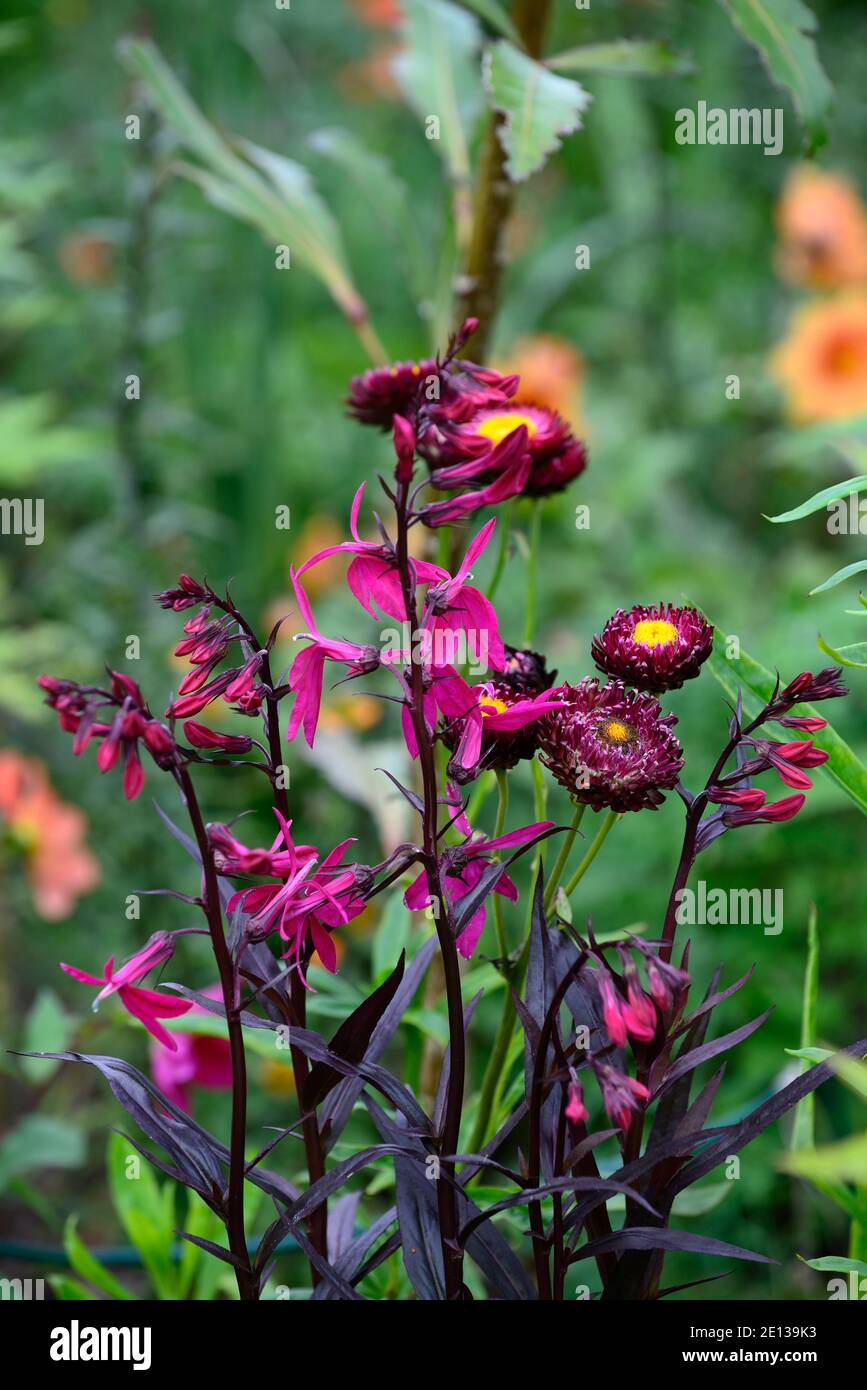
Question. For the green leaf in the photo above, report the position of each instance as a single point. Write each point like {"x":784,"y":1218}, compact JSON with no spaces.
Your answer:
{"x":853,"y":1072}
{"x":781,"y":31}
{"x":437,"y":71}
{"x":40,"y":1141}
{"x":68,"y":1290}
{"x":145,"y":1214}
{"x":810,"y":1054}
{"x":803,"y":1130}
{"x":845,"y":1161}
{"x":539,"y":107}
{"x":624,"y":58}
{"x":88,"y":1266}
{"x":835,"y":493}
{"x":47,"y":1028}
{"x":845,"y":573}
{"x":391,"y":937}
{"x":843,"y":765}
{"x":839,"y":653}
{"x":273,"y":193}
{"x":835,"y":1264}
{"x":494,"y":16}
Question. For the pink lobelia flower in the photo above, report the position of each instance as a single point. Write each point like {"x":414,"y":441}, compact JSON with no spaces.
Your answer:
{"x":485,"y":734}
{"x":373,"y":574}
{"x":196,"y":1060}
{"x":147,"y":1005}
{"x":453,"y":607}
{"x":306,"y":676}
{"x":463,"y":867}
{"x":308,"y":901}
{"x":621,"y":1095}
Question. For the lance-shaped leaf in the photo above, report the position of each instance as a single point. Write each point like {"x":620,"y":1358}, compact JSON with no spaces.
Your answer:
{"x":738,"y":1136}
{"x":538,"y":106}
{"x":650,"y":1238}
{"x":486,"y":1247}
{"x":624,"y":58}
{"x":255,"y":185}
{"x":782,"y":32}
{"x":338,"y":1104}
{"x":316,"y":1048}
{"x":350,"y":1262}
{"x":694,"y":1058}
{"x":352,"y":1037}
{"x":194,"y":1153}
{"x":839,"y":576}
{"x":835,"y":493}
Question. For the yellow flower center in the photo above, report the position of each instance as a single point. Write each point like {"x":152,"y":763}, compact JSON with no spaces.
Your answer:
{"x":616,"y":731}
{"x":497,"y":427}
{"x":654,"y":632}
{"x":492,"y":705}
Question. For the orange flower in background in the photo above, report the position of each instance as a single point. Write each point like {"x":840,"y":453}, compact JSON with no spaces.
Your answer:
{"x":822,"y":364}
{"x":87,"y":259}
{"x":371,"y":78}
{"x":317,"y":533}
{"x":551,"y":372}
{"x":378,"y":14}
{"x":822,"y":226}
{"x":50,"y":834}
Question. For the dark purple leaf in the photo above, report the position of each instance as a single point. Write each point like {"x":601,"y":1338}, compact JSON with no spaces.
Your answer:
{"x":652,"y":1238}
{"x":694,"y":1059}
{"x":352,"y":1038}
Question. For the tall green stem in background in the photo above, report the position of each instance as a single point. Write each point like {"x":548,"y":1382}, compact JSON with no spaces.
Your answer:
{"x":532,"y":567}
{"x":494,"y":194}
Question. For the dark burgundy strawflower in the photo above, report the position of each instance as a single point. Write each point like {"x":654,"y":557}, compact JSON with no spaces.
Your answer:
{"x":525,"y":671}
{"x":610,"y":747}
{"x":653,"y":648}
{"x":376,"y":396}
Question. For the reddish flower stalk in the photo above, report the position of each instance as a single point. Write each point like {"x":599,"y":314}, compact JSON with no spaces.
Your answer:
{"x":450,"y":1135}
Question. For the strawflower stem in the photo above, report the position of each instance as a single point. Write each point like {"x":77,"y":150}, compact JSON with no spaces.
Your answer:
{"x":503,"y":551}
{"x":563,"y":856}
{"x":499,"y":827}
{"x":605,"y":828}
{"x":532,"y":564}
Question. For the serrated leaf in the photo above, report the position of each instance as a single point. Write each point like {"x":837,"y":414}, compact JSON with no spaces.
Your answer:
{"x":782,"y":32}
{"x":437,"y":72}
{"x":539,"y":107}
{"x":624,"y":58}
{"x":835,"y":493}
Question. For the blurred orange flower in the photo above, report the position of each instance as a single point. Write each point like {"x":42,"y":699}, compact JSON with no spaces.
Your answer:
{"x":86,"y":259}
{"x":356,"y":712}
{"x":822,"y":226}
{"x":378,"y":14}
{"x":370,"y":78}
{"x":317,"y":533}
{"x":49,"y":833}
{"x":551,"y":372}
{"x":822,"y":364}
